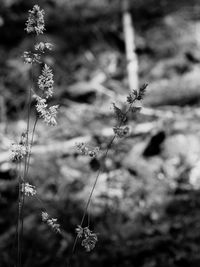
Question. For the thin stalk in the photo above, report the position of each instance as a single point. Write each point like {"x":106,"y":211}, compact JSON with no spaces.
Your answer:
{"x":19,"y":217}
{"x":95,"y":182}
{"x":92,"y":191}
{"x":25,"y":171}
{"x":25,"y":176}
{"x":28,"y":121}
{"x":101,"y":168}
{"x":41,"y":202}
{"x":88,"y":220}
{"x":16,"y":228}
{"x":31,"y":144}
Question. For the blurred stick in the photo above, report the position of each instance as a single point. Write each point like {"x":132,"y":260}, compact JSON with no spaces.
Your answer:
{"x":129,"y":39}
{"x":2,"y":115}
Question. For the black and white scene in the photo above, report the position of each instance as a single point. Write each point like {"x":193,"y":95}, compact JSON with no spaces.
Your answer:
{"x":99,"y":133}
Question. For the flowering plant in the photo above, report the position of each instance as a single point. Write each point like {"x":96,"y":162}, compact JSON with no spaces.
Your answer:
{"x":43,"y":91}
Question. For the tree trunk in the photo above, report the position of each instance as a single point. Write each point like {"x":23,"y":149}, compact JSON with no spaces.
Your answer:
{"x":129,"y":39}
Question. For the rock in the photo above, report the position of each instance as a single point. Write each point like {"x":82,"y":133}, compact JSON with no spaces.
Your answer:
{"x":186,"y":146}
{"x":178,"y":90}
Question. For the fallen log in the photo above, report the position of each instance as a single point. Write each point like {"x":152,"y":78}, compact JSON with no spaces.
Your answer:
{"x":181,"y":90}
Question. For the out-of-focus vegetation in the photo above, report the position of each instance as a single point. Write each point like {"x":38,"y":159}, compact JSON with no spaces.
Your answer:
{"x":146,"y":204}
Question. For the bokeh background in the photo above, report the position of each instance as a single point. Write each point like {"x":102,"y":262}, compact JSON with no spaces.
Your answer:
{"x":146,"y":206}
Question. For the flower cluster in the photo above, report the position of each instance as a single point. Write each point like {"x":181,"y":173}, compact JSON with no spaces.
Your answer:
{"x":132,"y":97}
{"x":48,"y":114}
{"x":45,"y":81}
{"x":136,"y":109}
{"x":19,"y":151}
{"x":42,"y":47}
{"x":45,"y":84}
{"x":41,"y":105}
{"x":51,"y":222}
{"x":35,"y":22}
{"x":121,"y":131}
{"x":89,"y":238}
{"x":28,"y":189}
{"x":135,"y":95}
{"x":30,"y":58}
{"x":119,"y":114}
{"x":86,"y":150}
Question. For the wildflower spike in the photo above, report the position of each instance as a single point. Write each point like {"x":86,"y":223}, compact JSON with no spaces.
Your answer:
{"x":86,"y":150}
{"x":142,"y":91}
{"x":119,"y":114}
{"x":42,"y":47}
{"x":51,"y":222}
{"x":45,"y":81}
{"x":28,"y":189}
{"x":19,"y":151}
{"x":121,"y":131}
{"x":89,"y":238}
{"x":35,"y":22}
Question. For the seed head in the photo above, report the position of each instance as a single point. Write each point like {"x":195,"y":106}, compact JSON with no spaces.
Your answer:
{"x":142,"y":91}
{"x":137,"y":95}
{"x":121,"y":131}
{"x":30,"y":58}
{"x":41,"y":106}
{"x":50,"y":116}
{"x":89,"y":238}
{"x":45,"y":81}
{"x":87,"y":150}
{"x":47,"y":114}
{"x":41,"y":47}
{"x":18,"y":152}
{"x":89,"y":242}
{"x":80,"y":231}
{"x":28,"y":189}
{"x":119,"y":114}
{"x":51,"y":222}
{"x":35,"y":22}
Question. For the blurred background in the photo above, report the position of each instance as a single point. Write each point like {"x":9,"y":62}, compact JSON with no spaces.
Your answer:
{"x":146,"y":206}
